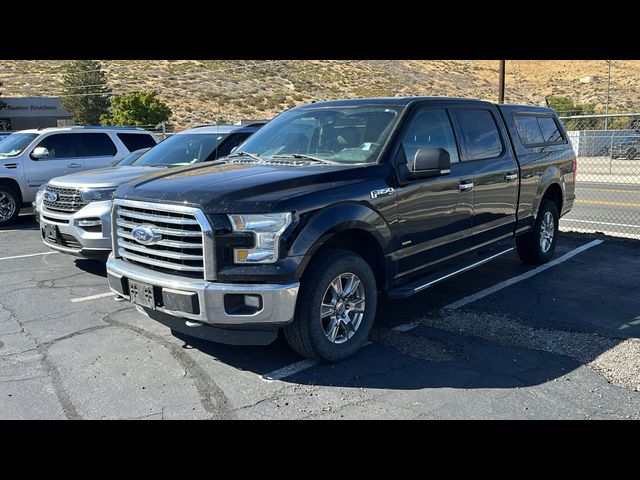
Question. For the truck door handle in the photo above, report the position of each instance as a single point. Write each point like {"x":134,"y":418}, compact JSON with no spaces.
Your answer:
{"x":74,"y":165}
{"x":509,"y":177}
{"x":464,"y":187}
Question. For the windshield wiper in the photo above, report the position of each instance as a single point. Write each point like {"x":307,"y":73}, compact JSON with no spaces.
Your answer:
{"x":305,"y":157}
{"x":245,"y":154}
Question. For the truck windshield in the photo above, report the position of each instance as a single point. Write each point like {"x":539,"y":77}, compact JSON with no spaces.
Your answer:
{"x":341,"y":134}
{"x":14,"y":144}
{"x":181,"y":149}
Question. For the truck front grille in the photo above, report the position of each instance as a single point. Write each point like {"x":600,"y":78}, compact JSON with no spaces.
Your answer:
{"x":66,"y":199}
{"x":180,"y":246}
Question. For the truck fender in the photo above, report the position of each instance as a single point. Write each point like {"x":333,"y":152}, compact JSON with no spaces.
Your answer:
{"x":551,"y":175}
{"x":13,"y":179}
{"x":327,"y":222}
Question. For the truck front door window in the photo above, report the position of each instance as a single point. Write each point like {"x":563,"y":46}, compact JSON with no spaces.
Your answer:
{"x":429,"y":129}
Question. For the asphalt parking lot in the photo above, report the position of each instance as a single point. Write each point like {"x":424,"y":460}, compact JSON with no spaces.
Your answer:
{"x":503,"y":341}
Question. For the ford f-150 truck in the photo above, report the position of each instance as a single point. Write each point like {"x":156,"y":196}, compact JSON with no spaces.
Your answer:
{"x":332,"y":204}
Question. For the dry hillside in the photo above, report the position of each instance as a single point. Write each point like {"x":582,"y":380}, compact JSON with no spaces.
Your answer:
{"x":201,"y":92}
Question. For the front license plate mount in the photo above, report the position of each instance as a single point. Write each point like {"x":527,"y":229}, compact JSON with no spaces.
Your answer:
{"x":142,"y":294}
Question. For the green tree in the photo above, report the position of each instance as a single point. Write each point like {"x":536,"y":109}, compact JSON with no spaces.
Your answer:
{"x":86,"y":91}
{"x":565,"y":107}
{"x":138,"y":108}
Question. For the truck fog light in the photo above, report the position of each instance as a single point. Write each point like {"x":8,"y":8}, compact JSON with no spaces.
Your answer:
{"x":242,"y":304}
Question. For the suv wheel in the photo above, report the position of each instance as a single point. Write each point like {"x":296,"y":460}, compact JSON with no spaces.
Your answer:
{"x":538,"y":245}
{"x":9,"y":205}
{"x":632,"y":153}
{"x":336,"y":307}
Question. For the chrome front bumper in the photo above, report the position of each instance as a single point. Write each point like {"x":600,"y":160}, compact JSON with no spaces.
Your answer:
{"x":278,"y":302}
{"x":90,"y":244}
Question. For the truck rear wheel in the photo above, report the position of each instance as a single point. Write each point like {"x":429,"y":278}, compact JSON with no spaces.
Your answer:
{"x":9,"y":205}
{"x":538,"y":245}
{"x":336,"y":307}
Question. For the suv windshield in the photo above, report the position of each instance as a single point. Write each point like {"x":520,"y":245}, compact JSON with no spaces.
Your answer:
{"x":341,"y":134}
{"x":15,"y":143}
{"x":181,"y":149}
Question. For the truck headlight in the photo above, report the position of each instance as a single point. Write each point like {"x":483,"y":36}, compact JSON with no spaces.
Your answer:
{"x":266,"y":229}
{"x":97,"y":194}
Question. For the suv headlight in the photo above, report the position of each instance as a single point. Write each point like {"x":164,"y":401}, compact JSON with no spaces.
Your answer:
{"x":40,"y":194}
{"x":266,"y":229}
{"x":97,"y":194}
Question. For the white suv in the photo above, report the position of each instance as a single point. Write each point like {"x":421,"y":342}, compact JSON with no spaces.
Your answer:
{"x":30,"y":158}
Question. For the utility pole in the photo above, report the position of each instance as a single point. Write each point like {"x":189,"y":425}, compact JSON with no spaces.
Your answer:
{"x":501,"y":82}
{"x":606,"y":106}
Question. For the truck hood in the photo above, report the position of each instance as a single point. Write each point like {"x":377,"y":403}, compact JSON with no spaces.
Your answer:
{"x":103,"y":177}
{"x":234,"y":187}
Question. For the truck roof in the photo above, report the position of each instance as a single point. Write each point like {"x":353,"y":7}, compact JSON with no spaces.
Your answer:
{"x":402,"y":101}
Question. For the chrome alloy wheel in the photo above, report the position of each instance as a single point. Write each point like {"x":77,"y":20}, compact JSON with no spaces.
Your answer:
{"x":7,"y":206}
{"x":547,"y":230}
{"x":342,"y":308}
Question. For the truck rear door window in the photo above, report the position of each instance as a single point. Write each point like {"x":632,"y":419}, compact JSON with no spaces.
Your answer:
{"x":96,"y":145}
{"x":479,"y":134}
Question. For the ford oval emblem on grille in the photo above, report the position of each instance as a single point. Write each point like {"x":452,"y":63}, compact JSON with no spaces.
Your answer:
{"x":51,"y":196}
{"x":146,"y":235}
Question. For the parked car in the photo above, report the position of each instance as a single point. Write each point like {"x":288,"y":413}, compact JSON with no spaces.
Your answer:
{"x":30,"y":158}
{"x":75,"y":210}
{"x":4,"y":135}
{"x":332,"y":204}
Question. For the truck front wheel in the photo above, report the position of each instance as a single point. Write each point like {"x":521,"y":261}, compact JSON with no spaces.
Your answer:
{"x":538,"y":245}
{"x":336,"y":307}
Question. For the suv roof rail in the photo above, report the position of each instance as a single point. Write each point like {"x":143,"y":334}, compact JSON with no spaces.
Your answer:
{"x":107,"y":127}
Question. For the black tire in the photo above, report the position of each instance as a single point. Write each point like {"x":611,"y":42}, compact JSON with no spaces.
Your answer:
{"x":7,"y":197}
{"x":529,"y":245}
{"x":632,"y":153}
{"x":306,"y":335}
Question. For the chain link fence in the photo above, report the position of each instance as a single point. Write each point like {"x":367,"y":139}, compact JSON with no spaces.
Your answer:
{"x":608,"y":178}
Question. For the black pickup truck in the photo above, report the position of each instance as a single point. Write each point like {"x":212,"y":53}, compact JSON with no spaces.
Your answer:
{"x":332,"y":204}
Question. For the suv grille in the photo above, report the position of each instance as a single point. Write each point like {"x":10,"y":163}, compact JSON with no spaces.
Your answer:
{"x":69,"y":199}
{"x":180,"y":249}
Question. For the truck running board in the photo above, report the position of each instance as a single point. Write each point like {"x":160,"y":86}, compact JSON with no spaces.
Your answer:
{"x":434,"y":278}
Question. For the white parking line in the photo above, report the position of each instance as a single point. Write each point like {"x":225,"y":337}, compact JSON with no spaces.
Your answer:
{"x":29,"y":255}
{"x":288,"y":370}
{"x":405,"y":327}
{"x":92,"y":297}
{"x":499,"y":286}
{"x":295,"y":368}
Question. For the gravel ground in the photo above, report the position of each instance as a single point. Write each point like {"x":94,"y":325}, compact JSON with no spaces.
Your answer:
{"x":618,"y":361}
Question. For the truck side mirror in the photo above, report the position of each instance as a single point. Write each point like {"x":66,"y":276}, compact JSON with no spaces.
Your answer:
{"x":431,"y":162}
{"x":39,"y":152}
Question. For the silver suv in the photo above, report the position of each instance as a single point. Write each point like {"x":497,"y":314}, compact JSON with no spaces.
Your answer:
{"x":74,"y":211}
{"x":30,"y":158}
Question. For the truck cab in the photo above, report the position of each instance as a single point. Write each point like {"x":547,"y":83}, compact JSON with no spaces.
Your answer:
{"x":332,"y":204}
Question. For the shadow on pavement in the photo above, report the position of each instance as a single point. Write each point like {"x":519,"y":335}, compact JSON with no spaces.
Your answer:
{"x":94,"y":267}
{"x":23,"y":222}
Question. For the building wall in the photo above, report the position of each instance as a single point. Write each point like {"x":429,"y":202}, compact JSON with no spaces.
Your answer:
{"x":20,"y":113}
